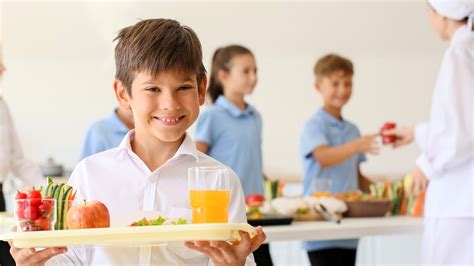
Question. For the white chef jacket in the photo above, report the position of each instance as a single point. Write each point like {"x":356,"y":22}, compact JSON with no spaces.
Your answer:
{"x":447,"y":139}
{"x":12,"y":158}
{"x":122,"y":181}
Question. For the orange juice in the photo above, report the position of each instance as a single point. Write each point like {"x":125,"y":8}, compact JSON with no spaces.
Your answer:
{"x":210,"y":206}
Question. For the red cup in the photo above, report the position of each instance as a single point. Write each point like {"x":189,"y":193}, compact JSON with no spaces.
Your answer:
{"x":388,"y":139}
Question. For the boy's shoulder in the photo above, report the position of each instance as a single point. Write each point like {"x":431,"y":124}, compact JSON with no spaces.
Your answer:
{"x":351,"y":125}
{"x":100,"y":125}
{"x":315,"y":122}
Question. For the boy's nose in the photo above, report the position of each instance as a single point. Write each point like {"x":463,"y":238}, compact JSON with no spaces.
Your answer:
{"x":169,"y":101}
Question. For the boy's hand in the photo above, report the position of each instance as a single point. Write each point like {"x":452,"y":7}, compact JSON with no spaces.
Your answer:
{"x":225,"y":254}
{"x":367,"y":144}
{"x":405,"y":135}
{"x":419,"y":182}
{"x":30,"y":256}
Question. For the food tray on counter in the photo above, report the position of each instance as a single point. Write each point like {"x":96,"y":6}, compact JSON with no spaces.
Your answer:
{"x":128,"y":236}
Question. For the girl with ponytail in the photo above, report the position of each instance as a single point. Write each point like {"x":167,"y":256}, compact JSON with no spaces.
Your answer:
{"x":230,"y":130}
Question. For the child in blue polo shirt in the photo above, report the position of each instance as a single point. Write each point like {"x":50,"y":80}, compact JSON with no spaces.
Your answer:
{"x":230,"y":130}
{"x":107,"y":133}
{"x":331,"y":147}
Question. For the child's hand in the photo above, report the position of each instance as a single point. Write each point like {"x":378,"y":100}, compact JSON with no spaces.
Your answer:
{"x":405,"y":135}
{"x":29,"y":256}
{"x":419,"y":182}
{"x":367,"y":144}
{"x":225,"y":254}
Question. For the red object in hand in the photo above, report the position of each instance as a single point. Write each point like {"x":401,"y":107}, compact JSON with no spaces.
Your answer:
{"x":388,"y":139}
{"x":255,"y":200}
{"x":92,"y":214}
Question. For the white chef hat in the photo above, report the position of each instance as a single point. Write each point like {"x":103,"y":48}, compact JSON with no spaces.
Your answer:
{"x":455,"y":9}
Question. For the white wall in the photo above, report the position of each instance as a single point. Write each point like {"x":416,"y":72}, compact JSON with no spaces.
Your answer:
{"x":60,"y":66}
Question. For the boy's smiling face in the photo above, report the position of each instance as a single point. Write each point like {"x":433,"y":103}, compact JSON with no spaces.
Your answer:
{"x":336,"y":88}
{"x":164,"y":106}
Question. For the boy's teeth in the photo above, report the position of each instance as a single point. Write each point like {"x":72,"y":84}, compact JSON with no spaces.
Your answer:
{"x":169,"y":120}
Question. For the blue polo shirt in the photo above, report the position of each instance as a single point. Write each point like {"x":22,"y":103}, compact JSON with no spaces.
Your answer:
{"x":234,"y":138}
{"x":103,"y":135}
{"x":324,"y":129}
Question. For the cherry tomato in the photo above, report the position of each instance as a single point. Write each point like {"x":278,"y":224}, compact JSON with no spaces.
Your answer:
{"x":45,"y":208}
{"x":20,"y":195}
{"x":34,"y":198}
{"x":42,"y":223}
{"x":30,"y":213}
{"x":20,"y":210}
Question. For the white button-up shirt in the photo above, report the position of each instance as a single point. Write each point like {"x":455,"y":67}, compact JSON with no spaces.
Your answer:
{"x":12,"y":159}
{"x":447,"y":140}
{"x":122,"y":181}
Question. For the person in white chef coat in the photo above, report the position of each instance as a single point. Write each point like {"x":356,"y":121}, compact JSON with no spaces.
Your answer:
{"x":446,"y":165}
{"x":12,"y":160}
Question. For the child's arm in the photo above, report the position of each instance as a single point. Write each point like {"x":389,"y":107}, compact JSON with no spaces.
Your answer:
{"x":202,"y":146}
{"x":364,"y":182}
{"x":328,"y":156}
{"x":204,"y":131}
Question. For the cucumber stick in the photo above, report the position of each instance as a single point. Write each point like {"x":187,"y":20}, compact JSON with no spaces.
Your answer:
{"x":61,"y":204}
{"x":61,"y":193}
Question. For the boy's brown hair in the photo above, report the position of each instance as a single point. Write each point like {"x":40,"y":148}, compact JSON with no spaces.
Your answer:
{"x":156,"y":45}
{"x":331,"y":63}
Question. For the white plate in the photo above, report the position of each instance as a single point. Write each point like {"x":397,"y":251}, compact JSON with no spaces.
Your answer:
{"x":128,"y":236}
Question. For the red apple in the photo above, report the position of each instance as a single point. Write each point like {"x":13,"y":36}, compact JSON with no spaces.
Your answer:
{"x":92,"y":214}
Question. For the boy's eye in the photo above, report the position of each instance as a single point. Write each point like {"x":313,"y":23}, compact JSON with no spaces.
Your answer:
{"x":152,"y":89}
{"x":183,"y":88}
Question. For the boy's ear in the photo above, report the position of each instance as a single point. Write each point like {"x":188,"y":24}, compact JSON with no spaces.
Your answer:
{"x":317,"y":86}
{"x":203,"y":89}
{"x":121,"y":94}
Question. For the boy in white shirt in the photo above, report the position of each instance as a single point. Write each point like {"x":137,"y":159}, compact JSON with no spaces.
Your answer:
{"x":161,"y":78}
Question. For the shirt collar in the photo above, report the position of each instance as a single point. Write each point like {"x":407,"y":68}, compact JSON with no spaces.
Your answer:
{"x":231,"y":108}
{"x":119,"y":126}
{"x":460,"y":34}
{"x":187,"y":147}
{"x":327,"y":117}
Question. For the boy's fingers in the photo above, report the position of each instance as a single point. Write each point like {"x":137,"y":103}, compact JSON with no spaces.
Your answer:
{"x":244,"y":239}
{"x":194,"y":247}
{"x":225,"y":249}
{"x":210,"y":251}
{"x":258,"y":239}
{"x":22,"y":255}
{"x":46,"y":254}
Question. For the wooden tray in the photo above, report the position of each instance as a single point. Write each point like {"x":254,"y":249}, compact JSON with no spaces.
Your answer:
{"x":369,"y":208}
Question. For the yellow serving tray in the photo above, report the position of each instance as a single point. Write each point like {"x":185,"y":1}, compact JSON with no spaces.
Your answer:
{"x":128,"y":236}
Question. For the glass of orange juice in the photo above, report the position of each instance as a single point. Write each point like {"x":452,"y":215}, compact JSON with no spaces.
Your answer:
{"x":209,"y":194}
